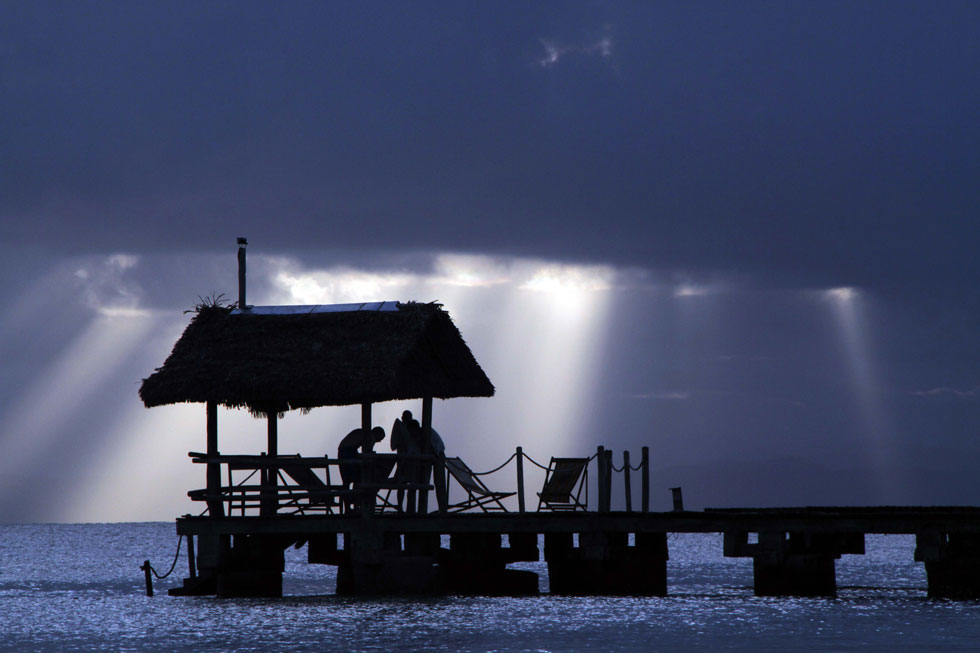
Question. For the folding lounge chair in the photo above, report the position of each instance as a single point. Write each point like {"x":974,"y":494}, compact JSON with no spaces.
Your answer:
{"x":320,"y":495}
{"x":564,"y":482}
{"x":478,"y":495}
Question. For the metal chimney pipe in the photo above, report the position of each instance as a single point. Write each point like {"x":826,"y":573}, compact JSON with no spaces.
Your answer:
{"x":241,"y":273}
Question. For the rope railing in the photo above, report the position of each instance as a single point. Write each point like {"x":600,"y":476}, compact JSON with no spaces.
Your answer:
{"x":295,"y":500}
{"x":147,"y":569}
{"x":637,"y":467}
{"x":497,"y":468}
{"x":536,"y":463}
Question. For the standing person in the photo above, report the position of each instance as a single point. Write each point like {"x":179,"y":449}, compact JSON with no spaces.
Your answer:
{"x":431,"y":446}
{"x":406,"y":443}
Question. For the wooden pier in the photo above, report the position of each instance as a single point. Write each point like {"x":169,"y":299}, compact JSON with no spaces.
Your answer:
{"x":587,"y":552}
{"x":368,"y":513}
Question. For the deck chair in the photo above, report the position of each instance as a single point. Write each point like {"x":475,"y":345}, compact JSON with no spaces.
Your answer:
{"x":478,"y":495}
{"x":321,"y":495}
{"x":564,"y":482}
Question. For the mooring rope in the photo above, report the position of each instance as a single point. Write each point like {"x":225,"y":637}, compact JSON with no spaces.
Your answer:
{"x":496,"y":469}
{"x":173,"y":566}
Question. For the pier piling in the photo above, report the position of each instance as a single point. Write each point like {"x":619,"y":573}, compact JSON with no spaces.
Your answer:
{"x":793,"y":563}
{"x":952,"y":563}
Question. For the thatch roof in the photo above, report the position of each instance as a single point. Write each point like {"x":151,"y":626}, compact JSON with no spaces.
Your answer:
{"x":276,"y":360}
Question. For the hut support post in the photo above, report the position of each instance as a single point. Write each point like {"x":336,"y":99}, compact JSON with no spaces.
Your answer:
{"x":626,"y":481}
{"x":520,"y":479}
{"x":366,"y":417}
{"x":645,"y":479}
{"x":270,"y":474}
{"x":367,"y":498}
{"x":427,"y":448}
{"x":215,"y":505}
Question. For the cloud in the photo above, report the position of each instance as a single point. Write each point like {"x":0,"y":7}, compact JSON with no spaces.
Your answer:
{"x":555,"y":51}
{"x":972,"y":393}
{"x":689,"y":290}
{"x":663,"y":396}
{"x":106,"y":284}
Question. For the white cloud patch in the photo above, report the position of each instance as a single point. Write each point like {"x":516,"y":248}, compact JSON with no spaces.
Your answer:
{"x":956,"y":393}
{"x":842,"y":294}
{"x":106,"y":285}
{"x":662,"y":396}
{"x":691,"y":290}
{"x":471,"y":271}
{"x":555,"y":51}
{"x":340,"y":284}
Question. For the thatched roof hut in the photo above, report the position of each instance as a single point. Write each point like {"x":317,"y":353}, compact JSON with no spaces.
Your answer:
{"x":273,"y":359}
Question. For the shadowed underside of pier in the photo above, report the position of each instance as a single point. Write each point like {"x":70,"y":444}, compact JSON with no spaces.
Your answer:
{"x":793,"y":549}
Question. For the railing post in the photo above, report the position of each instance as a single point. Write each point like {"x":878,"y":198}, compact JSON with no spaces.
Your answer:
{"x":678,"y":499}
{"x":626,"y":480}
{"x":520,"y":479}
{"x":191,"y":562}
{"x":602,"y":489}
{"x":609,"y":455}
{"x":145,"y":568}
{"x":645,"y":479}
{"x":439,"y":478}
{"x":263,"y":486}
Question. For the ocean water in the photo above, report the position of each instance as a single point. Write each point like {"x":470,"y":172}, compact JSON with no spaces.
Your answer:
{"x":79,"y":587}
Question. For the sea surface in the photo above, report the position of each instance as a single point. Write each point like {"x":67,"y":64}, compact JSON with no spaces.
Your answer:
{"x":79,"y":587}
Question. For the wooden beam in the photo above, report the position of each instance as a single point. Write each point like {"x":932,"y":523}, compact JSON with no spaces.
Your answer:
{"x":427,"y":413}
{"x":215,"y":508}
{"x":423,"y":500}
{"x":270,"y":475}
{"x":273,"y":434}
{"x":366,"y":416}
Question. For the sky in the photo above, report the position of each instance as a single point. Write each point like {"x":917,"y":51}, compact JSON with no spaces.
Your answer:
{"x":741,"y":234}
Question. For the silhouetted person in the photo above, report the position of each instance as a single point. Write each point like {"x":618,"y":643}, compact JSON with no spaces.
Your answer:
{"x":432,"y":445}
{"x":350,"y":474}
{"x":436,"y":445}
{"x":406,"y":436}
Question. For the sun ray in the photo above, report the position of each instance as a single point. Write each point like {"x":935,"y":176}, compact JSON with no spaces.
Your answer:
{"x":849,"y":306}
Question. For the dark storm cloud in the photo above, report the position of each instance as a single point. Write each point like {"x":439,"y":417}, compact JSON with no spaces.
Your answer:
{"x":732,"y":161}
{"x":828,"y":143}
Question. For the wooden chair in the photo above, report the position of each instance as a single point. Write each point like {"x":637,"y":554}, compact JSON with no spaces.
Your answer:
{"x":564,"y":482}
{"x":318,"y":495}
{"x":478,"y":495}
